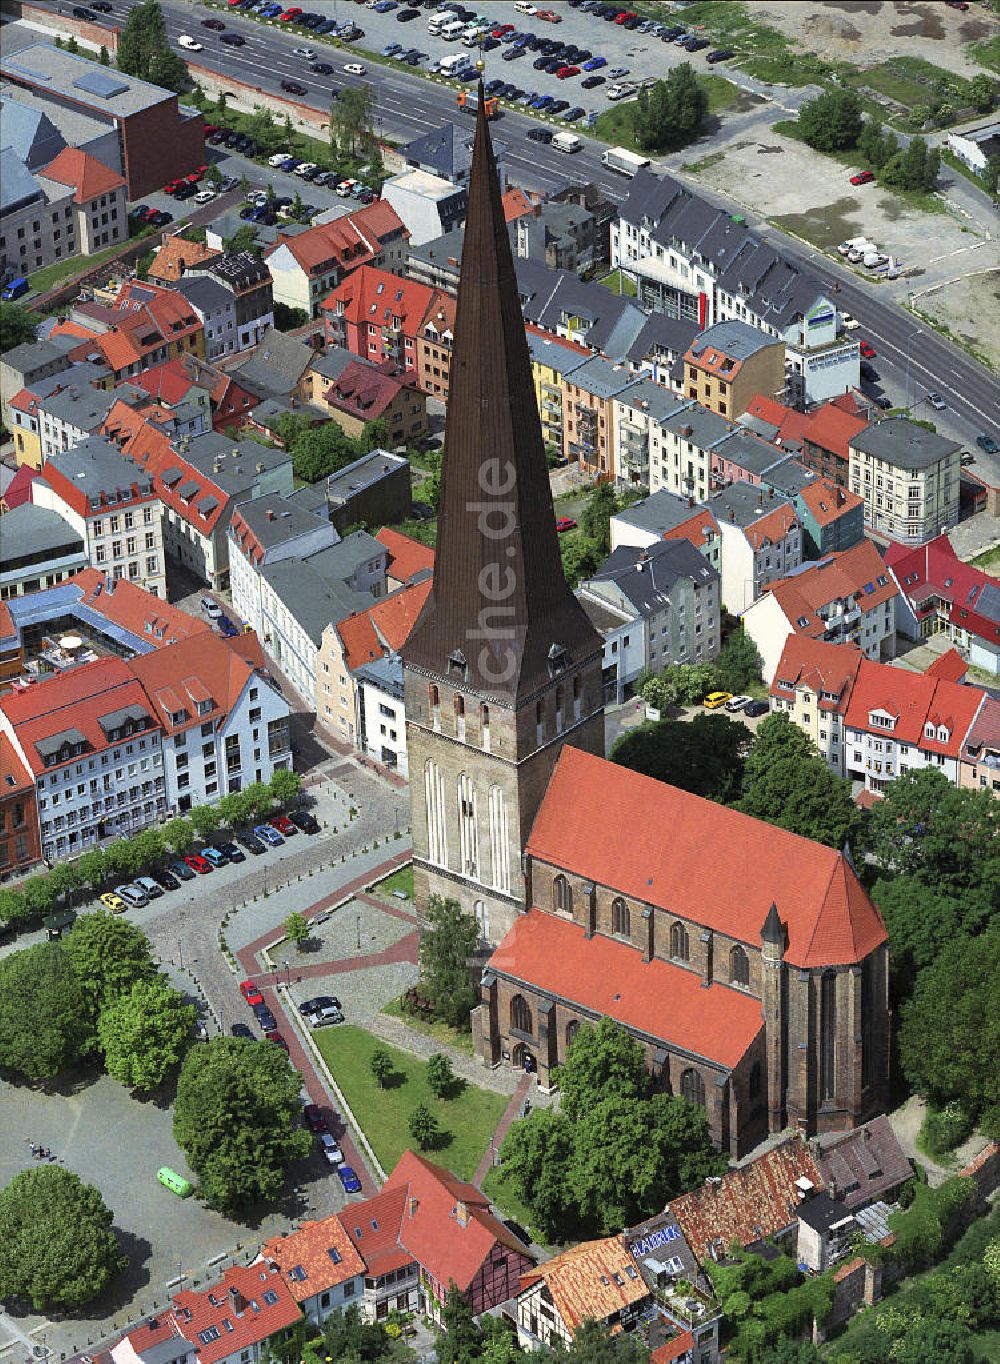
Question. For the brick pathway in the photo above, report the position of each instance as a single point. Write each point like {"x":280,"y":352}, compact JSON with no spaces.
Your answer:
{"x":510,"y":1114}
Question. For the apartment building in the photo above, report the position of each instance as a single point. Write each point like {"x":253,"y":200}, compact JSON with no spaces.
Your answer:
{"x":640,"y":413}
{"x":760,"y":540}
{"x":38,"y":549}
{"x":113,"y":505}
{"x":562,"y":304}
{"x":305,"y":267}
{"x":267,"y":530}
{"x":248,"y":281}
{"x":57,"y":413}
{"x":20,"y":842}
{"x":354,"y":392}
{"x":377,"y":316}
{"x":728,"y":364}
{"x":681,"y":451}
{"x":434,"y":342}
{"x":665,"y":516}
{"x":898,"y":721}
{"x":552,"y":360}
{"x":847,"y":598}
{"x":658,"y":351}
{"x":941,"y":594}
{"x":563,"y":236}
{"x":381,"y":713}
{"x":426,"y":204}
{"x":216,"y":307}
{"x":26,"y":365}
{"x":820,"y":438}
{"x":91,"y":743}
{"x":909,"y":478}
{"x":812,"y":684}
{"x":146,"y":326}
{"x":979,"y":763}
{"x":589,"y":394}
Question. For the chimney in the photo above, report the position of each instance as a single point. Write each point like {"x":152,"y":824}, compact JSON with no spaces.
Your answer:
{"x":237,"y":1299}
{"x":461,"y":1214}
{"x":270,"y":514}
{"x":686,"y":431}
{"x":414,"y":1205}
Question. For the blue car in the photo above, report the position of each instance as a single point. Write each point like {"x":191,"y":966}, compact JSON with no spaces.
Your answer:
{"x":267,"y":834}
{"x":289,"y":164}
{"x":470,"y":75}
{"x":595,"y":64}
{"x":348,"y":1177}
{"x":215,"y":856}
{"x":391,"y":49}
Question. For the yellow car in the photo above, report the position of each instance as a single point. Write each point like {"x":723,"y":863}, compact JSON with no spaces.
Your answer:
{"x":114,"y":902}
{"x":715,"y":699}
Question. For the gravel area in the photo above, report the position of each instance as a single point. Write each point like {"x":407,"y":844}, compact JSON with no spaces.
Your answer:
{"x":964,"y":306}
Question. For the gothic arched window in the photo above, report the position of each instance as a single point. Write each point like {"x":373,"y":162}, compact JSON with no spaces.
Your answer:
{"x":520,"y":1014}
{"x":679,"y":947}
{"x":562,"y":896}
{"x":620,"y":918}
{"x":693,"y":1087}
{"x":739,"y":966}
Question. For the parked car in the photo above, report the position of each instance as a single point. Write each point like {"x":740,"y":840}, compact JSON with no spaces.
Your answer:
{"x":310,"y":1006}
{"x":166,"y":880}
{"x":210,"y":608}
{"x":564,"y":523}
{"x":349,"y":1179}
{"x":862,"y":178}
{"x":314,"y":1119}
{"x":325,"y":1010}
{"x":721,"y":55}
{"x":738,"y":703}
{"x":268,"y":835}
{"x":266,"y":1020}
{"x":988,"y":444}
{"x":181,"y":870}
{"x":231,"y":851}
{"x":936,"y":401}
{"x":715,"y":699}
{"x":113,"y":902}
{"x":198,"y":863}
{"x":215,"y":856}
{"x":273,"y":1035}
{"x":867,"y":350}
{"x":251,"y":842}
{"x":305,"y":821}
{"x":756,"y":708}
{"x":869,"y":372}
{"x":283,"y":825}
{"x":150,"y":888}
{"x":132,"y":895}
{"x":241,"y":1030}
{"x":250,"y":993}
{"x":332,"y":1153}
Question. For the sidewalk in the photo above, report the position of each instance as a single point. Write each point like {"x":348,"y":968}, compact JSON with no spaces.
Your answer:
{"x":511,"y":1113}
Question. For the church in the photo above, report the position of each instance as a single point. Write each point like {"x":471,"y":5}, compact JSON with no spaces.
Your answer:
{"x":750,"y":963}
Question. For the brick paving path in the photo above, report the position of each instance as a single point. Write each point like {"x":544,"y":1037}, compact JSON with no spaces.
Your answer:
{"x":510,"y":1114}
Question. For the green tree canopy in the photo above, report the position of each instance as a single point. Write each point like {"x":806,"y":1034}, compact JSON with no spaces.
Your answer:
{"x":738,"y":663}
{"x":297,"y":928}
{"x":950,"y":1034}
{"x":787,"y":783}
{"x":285,"y":785}
{"x":17,"y":326}
{"x":178,"y":835}
{"x":204,"y":819}
{"x":43,"y":1012}
{"x":602,"y":1062}
{"x":670,"y":113}
{"x":446,"y":948}
{"x":440,"y":1075}
{"x":380,"y":1065}
{"x":832,"y":121}
{"x":237,"y":1119}
{"x":145,"y":1033}
{"x":423,"y":1127}
{"x":59,"y":1250}
{"x":537,"y":1153}
{"x":703,"y":755}
{"x":109,"y":955}
{"x":461,"y":1340}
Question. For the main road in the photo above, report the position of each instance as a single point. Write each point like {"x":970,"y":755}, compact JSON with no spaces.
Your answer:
{"x":408,"y":106}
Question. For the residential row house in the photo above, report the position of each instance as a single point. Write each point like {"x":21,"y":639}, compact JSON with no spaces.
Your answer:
{"x":27,"y":364}
{"x":820,"y":438}
{"x":729,"y":363}
{"x":846,"y":598}
{"x":692,"y":260}
{"x":305,"y":267}
{"x":909,"y":478}
{"x":939,"y":594}
{"x":20,"y":842}
{"x":145,"y":326}
{"x":873,"y":722}
{"x":665,"y":606}
{"x":57,"y":413}
{"x":113,"y":505}
{"x":246,"y":283}
{"x":353,"y":392}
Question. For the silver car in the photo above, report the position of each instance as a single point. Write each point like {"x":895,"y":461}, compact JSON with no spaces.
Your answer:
{"x":132,"y":895}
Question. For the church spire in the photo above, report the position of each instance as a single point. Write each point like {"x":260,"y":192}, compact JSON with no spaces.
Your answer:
{"x":501,"y":618}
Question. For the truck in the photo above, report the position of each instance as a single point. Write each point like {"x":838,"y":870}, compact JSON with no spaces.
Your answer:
{"x":624,"y":162}
{"x":469,"y":101}
{"x":451,"y":65}
{"x":17,"y":288}
{"x":566,"y":142}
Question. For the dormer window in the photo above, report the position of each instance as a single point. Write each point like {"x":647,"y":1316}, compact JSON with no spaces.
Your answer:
{"x":457,"y":666}
{"x":558,"y":660}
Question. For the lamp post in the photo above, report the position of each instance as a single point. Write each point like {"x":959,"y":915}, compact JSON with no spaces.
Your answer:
{"x":288,"y":975}
{"x":909,"y":356}
{"x":359,"y":932}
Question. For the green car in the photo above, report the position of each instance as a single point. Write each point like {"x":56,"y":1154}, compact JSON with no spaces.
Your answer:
{"x":176,"y":1183}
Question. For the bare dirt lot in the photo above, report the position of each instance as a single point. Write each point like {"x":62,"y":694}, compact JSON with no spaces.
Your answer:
{"x":871,"y":31}
{"x":970,"y":309}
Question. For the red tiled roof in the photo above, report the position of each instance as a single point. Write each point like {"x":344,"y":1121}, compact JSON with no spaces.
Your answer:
{"x":16,"y":776}
{"x":748,"y":1204}
{"x":590,"y":1282}
{"x":407,"y":557}
{"x":820,"y":666}
{"x":168,"y":383}
{"x":201,"y":668}
{"x":969,"y":595}
{"x":827,"y":502}
{"x":440,"y":312}
{"x":773,"y":525}
{"x":446,"y":1224}
{"x":829,"y":919}
{"x":364,"y":391}
{"x":913,"y":700}
{"x":790,"y":423}
{"x":240,"y":1300}
{"x":373,"y":297}
{"x":88,"y":176}
{"x":315,"y":1258}
{"x":854,"y":572}
{"x":949,"y":666}
{"x":985,"y":732}
{"x":610,"y":977}
{"x":373,"y":1229}
{"x":833,"y":425}
{"x":67,"y":327}
{"x":867,"y":800}
{"x":699,"y":528}
{"x":178,"y":254}
{"x":19,"y":488}
{"x":7,"y":630}
{"x":386,"y":626}
{"x":349,"y":241}
{"x":76,"y":699}
{"x":864,"y":1164}
{"x":673,"y":1349}
{"x":129,"y":605}
{"x":516,"y":204}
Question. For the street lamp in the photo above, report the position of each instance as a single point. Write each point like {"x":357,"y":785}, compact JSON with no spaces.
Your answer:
{"x":909,"y":356}
{"x":359,"y":932}
{"x":288,"y":975}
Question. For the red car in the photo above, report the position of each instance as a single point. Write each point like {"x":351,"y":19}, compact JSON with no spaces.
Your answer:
{"x":621,"y":18}
{"x":276,"y":1037}
{"x":198,"y":863}
{"x":501,"y":29}
{"x":315,"y":1121}
{"x":565,"y":523}
{"x":283,"y":825}
{"x":862,"y":178}
{"x":565,"y":71}
{"x":867,"y":350}
{"x":250,"y":993}
{"x":550,"y":16}
{"x":290,"y":14}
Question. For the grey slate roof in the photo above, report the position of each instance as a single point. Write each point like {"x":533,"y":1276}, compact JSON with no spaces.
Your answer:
{"x":443,"y":251}
{"x":645,"y":576}
{"x":735,"y":339}
{"x":903,"y":444}
{"x":740,"y":504}
{"x":333,"y":362}
{"x":549,"y":295}
{"x":753,"y":455}
{"x":77,"y":403}
{"x":29,"y":133}
{"x":278,"y":363}
{"x":653,"y":400}
{"x":287,"y":519}
{"x":699,"y":426}
{"x":384,"y":673}
{"x":660,"y":512}
{"x":551,"y":351}
{"x":18,"y":187}
{"x":660,"y":333}
{"x":95,"y":466}
{"x":205,"y":294}
{"x":602,"y":379}
{"x":28,"y":529}
{"x":315,"y":589}
{"x":232,"y":466}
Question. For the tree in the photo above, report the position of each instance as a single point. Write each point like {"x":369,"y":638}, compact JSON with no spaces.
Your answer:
{"x":204,"y":819}
{"x":703,"y":755}
{"x":689,"y":683}
{"x":59,"y":1250}
{"x":832,"y":121}
{"x":602,"y":1062}
{"x":380,"y":1066}
{"x":297,"y":929}
{"x":260,"y":799}
{"x":13,"y":909}
{"x":285,"y":786}
{"x":148,"y":847}
{"x":92,"y":868}
{"x":168,"y":70}
{"x":580,"y":555}
{"x":440,"y":1075}
{"x":352,"y":117}
{"x":108,"y":955}
{"x":448,"y":942}
{"x":39,"y":894}
{"x":178,"y":834}
{"x":43,"y":1019}
{"x":145,"y":1033}
{"x":63,"y":879}
{"x":104,"y":57}
{"x":929,"y":1339}
{"x":460,"y":1341}
{"x":738,"y":663}
{"x":595,"y":518}
{"x":536,"y":1157}
{"x":982,"y":92}
{"x":424,"y":1127}
{"x":591,"y":1344}
{"x":236,"y":808}
{"x":991,"y":173}
{"x":920,"y":922}
{"x":142,"y":38}
{"x":787,"y":783}
{"x":243,"y":239}
{"x":670,"y":113}
{"x":349,"y":1339}
{"x":237,"y":1119}
{"x":17,"y":326}
{"x":950,"y":1034}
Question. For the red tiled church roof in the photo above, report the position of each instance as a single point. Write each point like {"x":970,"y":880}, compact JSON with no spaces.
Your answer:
{"x":717,"y":867}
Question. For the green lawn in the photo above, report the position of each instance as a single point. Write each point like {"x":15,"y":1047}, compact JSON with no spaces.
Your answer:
{"x":928,"y":202}
{"x":986,"y":54}
{"x":44,"y":280}
{"x":619,"y":283}
{"x":467,"y":1121}
{"x":441,"y":1033}
{"x":495,"y":1186}
{"x":989,"y":561}
{"x":617,"y":124}
{"x":398,"y":880}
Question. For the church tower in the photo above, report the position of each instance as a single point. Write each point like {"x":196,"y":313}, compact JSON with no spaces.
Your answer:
{"x":502,"y":667}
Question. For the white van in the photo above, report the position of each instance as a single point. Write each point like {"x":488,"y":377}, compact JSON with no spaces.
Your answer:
{"x":566,"y":142}
{"x":437,"y":21}
{"x":452,"y":30}
{"x":472,"y":35}
{"x":450,"y":66}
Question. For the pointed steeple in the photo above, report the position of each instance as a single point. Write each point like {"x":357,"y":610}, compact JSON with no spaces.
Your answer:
{"x":773,"y":930}
{"x":501,"y":618}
